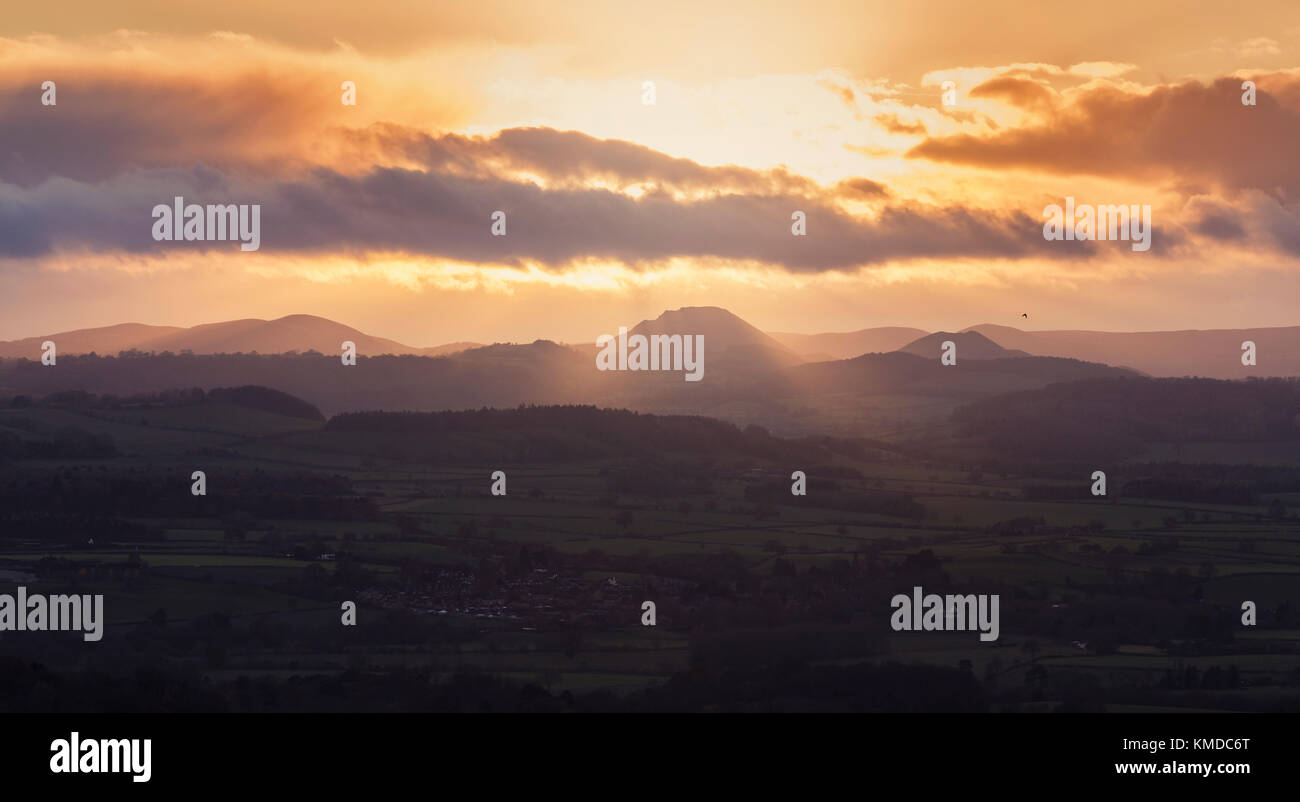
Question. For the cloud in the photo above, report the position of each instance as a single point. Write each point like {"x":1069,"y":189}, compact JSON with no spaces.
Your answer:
{"x":1215,"y":218}
{"x":448,"y":216}
{"x":1188,"y":131}
{"x":1101,"y":69}
{"x":1259,"y":46}
{"x":84,"y":175}
{"x":132,"y":100}
{"x":566,"y":158}
{"x":893,"y":125}
{"x":102,"y":127}
{"x":861,"y":189}
{"x":1021,"y":92}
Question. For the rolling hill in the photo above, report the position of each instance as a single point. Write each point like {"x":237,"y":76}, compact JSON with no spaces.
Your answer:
{"x":970,"y":345}
{"x":750,"y":377}
{"x":721,"y":329}
{"x":105,"y":340}
{"x":282,"y":335}
{"x":1213,"y":353}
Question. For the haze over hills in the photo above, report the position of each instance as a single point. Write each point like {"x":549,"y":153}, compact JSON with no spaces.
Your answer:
{"x":846,"y":345}
{"x":103,"y":340}
{"x":289,"y":333}
{"x":748,"y":377}
{"x":751,"y":377}
{"x":969,"y":345}
{"x":450,"y":348}
{"x":723,"y":332}
{"x":1214,"y":353}
{"x":733,"y":344}
{"x":295,"y":332}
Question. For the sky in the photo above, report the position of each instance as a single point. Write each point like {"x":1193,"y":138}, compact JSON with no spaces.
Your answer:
{"x":918,"y":212}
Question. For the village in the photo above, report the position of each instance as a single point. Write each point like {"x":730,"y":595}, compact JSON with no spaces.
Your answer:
{"x":540,"y":599}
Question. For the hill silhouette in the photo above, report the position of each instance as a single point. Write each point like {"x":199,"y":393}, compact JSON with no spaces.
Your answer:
{"x":290,"y":333}
{"x":730,"y":343}
{"x":743,"y":388}
{"x":721,"y":329}
{"x":970,"y":345}
{"x":733,"y":345}
{"x":1211,"y":353}
{"x":104,"y":340}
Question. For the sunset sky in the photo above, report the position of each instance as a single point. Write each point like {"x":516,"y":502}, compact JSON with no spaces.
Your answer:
{"x":378,"y":215}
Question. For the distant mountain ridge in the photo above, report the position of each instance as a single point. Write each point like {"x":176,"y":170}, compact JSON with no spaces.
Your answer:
{"x":282,"y":335}
{"x":967,"y":344}
{"x":733,"y":344}
{"x":721,"y":329}
{"x":1209,"y":353}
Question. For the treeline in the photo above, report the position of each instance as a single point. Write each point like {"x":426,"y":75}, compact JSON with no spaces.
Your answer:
{"x":251,"y":396}
{"x":267,"y":400}
{"x":535,"y":373}
{"x":64,"y":442}
{"x":572,"y":431}
{"x":73,"y":495}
